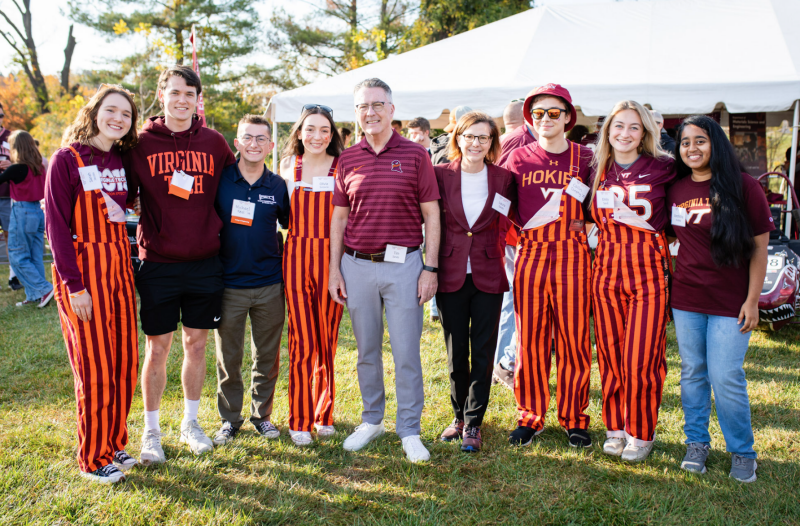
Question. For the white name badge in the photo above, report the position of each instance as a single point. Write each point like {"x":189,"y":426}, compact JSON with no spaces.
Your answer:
{"x":501,"y":204}
{"x":323,"y":184}
{"x":395,"y":254}
{"x":605,"y":199}
{"x":577,"y":189}
{"x":242,"y":212}
{"x":678,"y":216}
{"x":181,"y":184}
{"x":90,"y":178}
{"x":6,"y":145}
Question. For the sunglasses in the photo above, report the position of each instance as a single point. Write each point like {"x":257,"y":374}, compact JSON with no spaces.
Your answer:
{"x":309,"y":107}
{"x":553,"y":113}
{"x":2,"y":115}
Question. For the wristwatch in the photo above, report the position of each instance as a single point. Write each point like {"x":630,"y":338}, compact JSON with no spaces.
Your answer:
{"x":435,"y":270}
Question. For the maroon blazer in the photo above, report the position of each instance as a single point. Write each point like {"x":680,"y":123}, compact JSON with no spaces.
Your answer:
{"x":484,"y":243}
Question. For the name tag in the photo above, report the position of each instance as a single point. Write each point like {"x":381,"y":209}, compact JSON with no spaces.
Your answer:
{"x":6,"y":146}
{"x":678,"y":216}
{"x":501,"y":204}
{"x":181,"y":184}
{"x":577,"y":189}
{"x":90,"y":178}
{"x":577,"y":225}
{"x":605,"y":199}
{"x":242,"y":212}
{"x":323,"y":184}
{"x":395,"y":254}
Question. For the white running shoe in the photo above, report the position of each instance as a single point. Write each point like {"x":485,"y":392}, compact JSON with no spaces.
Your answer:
{"x":325,"y":431}
{"x":193,"y":434}
{"x":105,"y":475}
{"x":123,"y":461}
{"x":633,"y":453}
{"x":151,"y":453}
{"x":414,"y":449}
{"x":301,"y":438}
{"x":614,"y":446}
{"x":363,"y":435}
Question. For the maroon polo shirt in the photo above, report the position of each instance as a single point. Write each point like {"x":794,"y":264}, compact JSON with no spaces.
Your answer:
{"x":384,"y":192}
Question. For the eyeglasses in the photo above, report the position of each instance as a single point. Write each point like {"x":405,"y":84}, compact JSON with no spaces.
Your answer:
{"x":309,"y":107}
{"x":518,"y":100}
{"x":553,"y":113}
{"x":2,"y":115}
{"x":482,"y":139}
{"x":260,"y":139}
{"x":377,"y":107}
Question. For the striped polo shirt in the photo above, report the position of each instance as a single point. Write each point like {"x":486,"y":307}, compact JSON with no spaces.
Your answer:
{"x":384,"y":192}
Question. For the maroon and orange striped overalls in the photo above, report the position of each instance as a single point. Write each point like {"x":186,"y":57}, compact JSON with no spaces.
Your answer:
{"x":313,"y":315}
{"x":103,"y":352}
{"x":631,"y":310}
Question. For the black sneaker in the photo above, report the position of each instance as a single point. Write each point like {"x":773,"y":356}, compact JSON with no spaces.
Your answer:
{"x":14,"y":283}
{"x":267,"y":429}
{"x":522,"y":436}
{"x":579,"y":438}
{"x":225,"y":434}
{"x":105,"y":475}
{"x":123,"y":461}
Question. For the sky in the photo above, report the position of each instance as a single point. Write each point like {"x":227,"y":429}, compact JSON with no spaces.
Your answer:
{"x":94,"y":50}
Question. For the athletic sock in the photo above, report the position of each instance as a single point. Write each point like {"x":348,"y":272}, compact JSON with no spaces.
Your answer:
{"x":151,"y":421}
{"x":11,"y":273}
{"x":190,"y":409}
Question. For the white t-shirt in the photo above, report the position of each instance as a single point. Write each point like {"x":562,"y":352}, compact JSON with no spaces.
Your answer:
{"x":474,"y":193}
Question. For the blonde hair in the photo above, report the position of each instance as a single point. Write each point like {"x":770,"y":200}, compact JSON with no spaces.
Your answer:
{"x":650,"y":144}
{"x":24,"y":151}
{"x":474,"y":117}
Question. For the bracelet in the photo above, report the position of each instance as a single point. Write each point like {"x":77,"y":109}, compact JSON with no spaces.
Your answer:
{"x":76,"y":294}
{"x":435,"y":270}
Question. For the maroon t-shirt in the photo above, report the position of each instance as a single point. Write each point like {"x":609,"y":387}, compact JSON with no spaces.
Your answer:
{"x":384,"y":192}
{"x":699,"y":285}
{"x":643,"y":187}
{"x":518,"y":138}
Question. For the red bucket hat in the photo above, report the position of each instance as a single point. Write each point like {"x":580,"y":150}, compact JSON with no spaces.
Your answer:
{"x":556,"y":90}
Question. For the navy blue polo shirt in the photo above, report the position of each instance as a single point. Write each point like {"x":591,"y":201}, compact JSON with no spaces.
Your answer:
{"x":251,"y":255}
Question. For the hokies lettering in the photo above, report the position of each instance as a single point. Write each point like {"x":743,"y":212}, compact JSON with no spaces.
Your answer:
{"x":554,"y":177}
{"x":192,"y":162}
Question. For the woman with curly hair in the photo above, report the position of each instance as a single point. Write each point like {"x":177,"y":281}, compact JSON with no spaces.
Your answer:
{"x":85,"y":198}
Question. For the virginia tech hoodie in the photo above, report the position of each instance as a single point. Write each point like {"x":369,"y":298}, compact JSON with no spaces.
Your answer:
{"x":173,"y":229}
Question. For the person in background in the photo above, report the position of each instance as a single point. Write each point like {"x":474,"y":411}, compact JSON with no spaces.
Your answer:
{"x":398,"y":126}
{"x":723,"y":221}
{"x":472,"y":279}
{"x":5,"y":196}
{"x":385,"y":189}
{"x":251,"y":201}
{"x":577,"y":133}
{"x":590,"y":139}
{"x":667,"y":142}
{"x":311,"y":156}
{"x":512,"y":118}
{"x":347,"y":137}
{"x":26,"y":229}
{"x":440,"y":143}
{"x":521,"y":135}
{"x":85,"y":196}
{"x":630,"y":275}
{"x":419,"y":131}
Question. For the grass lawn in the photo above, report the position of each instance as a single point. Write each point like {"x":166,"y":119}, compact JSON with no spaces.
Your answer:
{"x":256,"y":481}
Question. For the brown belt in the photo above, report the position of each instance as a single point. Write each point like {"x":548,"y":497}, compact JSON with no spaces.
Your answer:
{"x":375,"y":258}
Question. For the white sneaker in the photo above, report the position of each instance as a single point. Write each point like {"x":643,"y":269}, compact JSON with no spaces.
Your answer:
{"x":123,"y":461}
{"x":301,"y":438}
{"x":151,"y":453}
{"x":105,"y":475}
{"x":325,"y":431}
{"x":633,"y":453}
{"x":363,"y":435}
{"x":614,"y":446}
{"x":414,"y":449}
{"x":193,"y":434}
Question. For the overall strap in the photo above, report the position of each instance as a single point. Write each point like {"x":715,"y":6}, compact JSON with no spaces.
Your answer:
{"x":298,"y":168}
{"x":334,"y":165}
{"x":77,"y":156}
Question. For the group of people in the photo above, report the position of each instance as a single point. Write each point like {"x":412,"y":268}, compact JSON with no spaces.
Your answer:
{"x":211,"y":256}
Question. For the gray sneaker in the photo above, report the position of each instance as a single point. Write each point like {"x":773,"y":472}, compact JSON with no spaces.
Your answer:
{"x":695,"y":459}
{"x":193,"y":434}
{"x":743,"y":469}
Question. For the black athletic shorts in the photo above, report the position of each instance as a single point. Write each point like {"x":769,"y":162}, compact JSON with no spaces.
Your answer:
{"x":189,"y":292}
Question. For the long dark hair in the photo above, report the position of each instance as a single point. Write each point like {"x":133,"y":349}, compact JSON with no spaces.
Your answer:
{"x":294,"y":146}
{"x":24,"y":151}
{"x":731,"y":234}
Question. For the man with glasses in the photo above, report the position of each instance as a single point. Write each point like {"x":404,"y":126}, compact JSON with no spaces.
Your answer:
{"x":176,"y":169}
{"x":552,"y":270}
{"x":251,"y":201}
{"x":385,"y":189}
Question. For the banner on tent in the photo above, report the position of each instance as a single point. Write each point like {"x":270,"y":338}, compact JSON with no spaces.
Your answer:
{"x":201,"y":112}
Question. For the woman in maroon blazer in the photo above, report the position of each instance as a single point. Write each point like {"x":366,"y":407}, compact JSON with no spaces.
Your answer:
{"x":475,"y":195}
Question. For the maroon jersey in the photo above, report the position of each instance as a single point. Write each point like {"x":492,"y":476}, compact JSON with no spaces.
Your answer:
{"x":643,"y":188}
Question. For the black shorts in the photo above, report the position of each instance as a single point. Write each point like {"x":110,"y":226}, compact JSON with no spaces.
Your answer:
{"x":189,"y":292}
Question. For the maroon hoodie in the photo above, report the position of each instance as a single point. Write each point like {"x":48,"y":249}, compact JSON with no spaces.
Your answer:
{"x":173,"y":229}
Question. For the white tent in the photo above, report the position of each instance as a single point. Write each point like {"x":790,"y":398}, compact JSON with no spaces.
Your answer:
{"x":680,"y":56}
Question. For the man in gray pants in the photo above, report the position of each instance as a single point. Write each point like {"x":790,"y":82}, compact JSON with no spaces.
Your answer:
{"x":385,"y":188}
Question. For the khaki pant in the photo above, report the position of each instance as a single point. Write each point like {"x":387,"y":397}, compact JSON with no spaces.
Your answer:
{"x":266,"y":308}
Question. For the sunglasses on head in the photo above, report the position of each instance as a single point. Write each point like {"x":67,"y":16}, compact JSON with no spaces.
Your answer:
{"x":553,"y":113}
{"x":309,"y":107}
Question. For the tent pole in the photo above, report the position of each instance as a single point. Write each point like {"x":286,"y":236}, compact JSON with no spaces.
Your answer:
{"x":355,"y":130}
{"x":275,"y":144}
{"x":792,"y":164}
